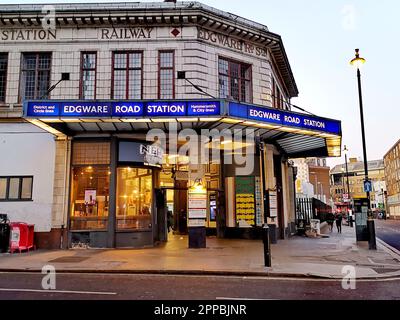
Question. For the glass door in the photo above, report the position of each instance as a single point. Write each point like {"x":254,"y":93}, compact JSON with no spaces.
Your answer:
{"x":134,"y":199}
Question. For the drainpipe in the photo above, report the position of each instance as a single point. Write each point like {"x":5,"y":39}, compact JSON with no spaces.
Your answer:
{"x":67,"y":158}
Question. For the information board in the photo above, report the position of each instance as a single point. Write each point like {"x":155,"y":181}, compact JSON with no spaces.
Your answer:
{"x":245,"y":201}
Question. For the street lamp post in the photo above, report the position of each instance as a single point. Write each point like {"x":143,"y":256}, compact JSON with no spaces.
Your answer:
{"x":348,"y":185}
{"x":358,"y":62}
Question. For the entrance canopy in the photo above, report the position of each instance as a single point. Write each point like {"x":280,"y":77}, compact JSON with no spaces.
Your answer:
{"x":296,"y":134}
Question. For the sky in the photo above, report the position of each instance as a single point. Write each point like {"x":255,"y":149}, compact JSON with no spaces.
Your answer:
{"x":320,"y":37}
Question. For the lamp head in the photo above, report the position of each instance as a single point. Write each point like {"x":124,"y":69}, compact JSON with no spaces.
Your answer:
{"x":357,"y":62}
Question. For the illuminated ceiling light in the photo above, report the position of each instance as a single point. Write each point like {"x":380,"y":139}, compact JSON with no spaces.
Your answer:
{"x":267,"y":126}
{"x":209,"y":119}
{"x":188,"y":119}
{"x":328,"y":135}
{"x":51,"y":120}
{"x":71,"y":120}
{"x":287,"y":129}
{"x":135,"y":120}
{"x":47,"y":128}
{"x":250,"y":123}
{"x":230,"y":120}
{"x":111,"y":120}
{"x":163,"y":120}
{"x":90,"y":120}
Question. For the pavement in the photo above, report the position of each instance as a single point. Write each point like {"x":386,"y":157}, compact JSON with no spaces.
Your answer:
{"x":323,"y":257}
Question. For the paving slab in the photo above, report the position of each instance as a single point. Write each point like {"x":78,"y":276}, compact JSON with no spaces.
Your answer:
{"x":295,"y":257}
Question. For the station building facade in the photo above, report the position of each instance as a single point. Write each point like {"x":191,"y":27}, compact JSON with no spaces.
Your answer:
{"x":83,"y":86}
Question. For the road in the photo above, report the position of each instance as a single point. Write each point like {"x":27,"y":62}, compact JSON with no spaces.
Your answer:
{"x":389,"y":231}
{"x":27,"y":286}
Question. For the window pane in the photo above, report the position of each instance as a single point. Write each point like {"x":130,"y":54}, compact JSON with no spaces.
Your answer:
{"x":223,"y":86}
{"x":90,"y":196}
{"x":134,"y":198}
{"x":135,"y":84}
{"x":13,"y":192}
{"x":26,"y":192}
{"x":90,"y":153}
{"x":166,"y":59}
{"x":234,"y":80}
{"x":44,"y":61}
{"x":119,"y":84}
{"x":135,"y":60}
{"x":223,"y":66}
{"x":120,"y":61}
{"x":235,"y":88}
{"x":35,"y":79}
{"x":3,"y":188}
{"x":28,"y":81}
{"x":3,"y":75}
{"x":88,"y":84}
{"x":29,"y":61}
{"x":166,"y":84}
{"x":89,"y":61}
{"x":42,"y":83}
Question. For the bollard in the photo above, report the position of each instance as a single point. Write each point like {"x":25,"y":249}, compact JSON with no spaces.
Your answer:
{"x":371,"y":234}
{"x":267,"y":246}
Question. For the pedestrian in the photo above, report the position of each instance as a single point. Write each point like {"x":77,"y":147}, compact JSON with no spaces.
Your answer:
{"x":330,"y":221}
{"x":339,"y":219}
{"x":170,"y":221}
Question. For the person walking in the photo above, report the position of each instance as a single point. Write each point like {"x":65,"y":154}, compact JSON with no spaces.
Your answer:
{"x":330,"y":221}
{"x":339,"y":219}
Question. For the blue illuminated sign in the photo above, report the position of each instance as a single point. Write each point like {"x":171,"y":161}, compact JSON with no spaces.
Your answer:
{"x":43,"y":109}
{"x":121,"y":109}
{"x":127,"y":109}
{"x":86,"y":109}
{"x":175,"y":109}
{"x":201,"y":108}
{"x":165,"y":109}
{"x":284,"y":118}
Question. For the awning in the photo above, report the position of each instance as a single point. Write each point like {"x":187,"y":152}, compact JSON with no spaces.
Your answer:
{"x":296,"y":134}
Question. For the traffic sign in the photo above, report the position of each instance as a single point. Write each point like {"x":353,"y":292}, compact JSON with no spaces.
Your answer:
{"x":367,"y":186}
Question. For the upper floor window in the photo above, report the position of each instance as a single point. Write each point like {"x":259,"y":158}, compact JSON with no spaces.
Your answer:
{"x":235,"y":80}
{"x":166,"y":79}
{"x":3,"y":76}
{"x":127,"y":75}
{"x":88,"y":75}
{"x":35,"y":75}
{"x":277,"y":97}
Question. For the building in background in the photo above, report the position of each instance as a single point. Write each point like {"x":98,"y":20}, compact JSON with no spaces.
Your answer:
{"x":392,"y":178}
{"x":339,"y":191}
{"x":312,"y":179}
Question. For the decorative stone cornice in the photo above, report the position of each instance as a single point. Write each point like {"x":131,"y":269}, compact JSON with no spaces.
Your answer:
{"x":155,"y":14}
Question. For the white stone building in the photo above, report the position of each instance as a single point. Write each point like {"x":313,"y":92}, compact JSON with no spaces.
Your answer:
{"x":152,"y":59}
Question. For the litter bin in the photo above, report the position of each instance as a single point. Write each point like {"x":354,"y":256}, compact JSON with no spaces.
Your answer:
{"x":4,"y":233}
{"x":19,"y":236}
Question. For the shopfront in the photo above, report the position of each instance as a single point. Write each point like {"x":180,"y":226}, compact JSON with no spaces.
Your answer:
{"x":112,"y":202}
{"x":126,"y":184}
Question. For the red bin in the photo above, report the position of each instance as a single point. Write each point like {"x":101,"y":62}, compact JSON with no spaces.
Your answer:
{"x":21,"y":236}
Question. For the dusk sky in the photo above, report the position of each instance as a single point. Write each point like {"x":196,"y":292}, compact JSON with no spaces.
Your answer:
{"x":320,"y":38}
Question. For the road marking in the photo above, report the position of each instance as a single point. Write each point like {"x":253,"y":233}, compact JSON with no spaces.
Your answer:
{"x":249,"y":278}
{"x":58,"y":291}
{"x":249,"y":299}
